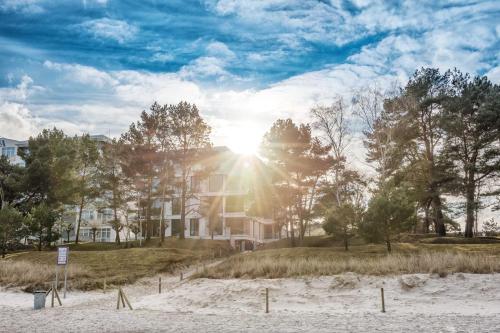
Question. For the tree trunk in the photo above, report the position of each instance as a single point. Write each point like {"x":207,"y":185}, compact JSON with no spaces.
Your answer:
{"x":117,"y":223}
{"x":425,"y":227}
{"x":470,"y":208}
{"x":149,"y":224}
{"x":40,"y":242}
{"x":438,"y":216}
{"x":183,"y":207}
{"x":388,"y":242}
{"x":77,"y":238}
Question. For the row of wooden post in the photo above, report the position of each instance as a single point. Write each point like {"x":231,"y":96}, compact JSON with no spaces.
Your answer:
{"x":123,"y":298}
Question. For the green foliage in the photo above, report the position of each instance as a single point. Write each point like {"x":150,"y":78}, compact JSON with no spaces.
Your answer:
{"x":298,"y":161}
{"x":50,"y":173}
{"x":41,"y":222}
{"x":85,"y":186}
{"x":11,"y":182}
{"x":389,"y":213}
{"x":342,"y":222}
{"x":472,"y":123}
{"x":11,"y":221}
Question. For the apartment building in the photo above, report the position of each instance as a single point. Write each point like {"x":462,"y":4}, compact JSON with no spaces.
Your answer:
{"x":10,"y":148}
{"x":217,"y":204}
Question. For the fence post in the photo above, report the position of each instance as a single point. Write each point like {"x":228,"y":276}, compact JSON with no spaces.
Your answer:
{"x":181,"y":276}
{"x":383,"y":300}
{"x":159,"y":285}
{"x":267,"y":300}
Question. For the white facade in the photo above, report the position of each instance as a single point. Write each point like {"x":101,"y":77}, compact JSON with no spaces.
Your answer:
{"x":92,"y":219}
{"x":10,"y":148}
{"x":216,"y":209}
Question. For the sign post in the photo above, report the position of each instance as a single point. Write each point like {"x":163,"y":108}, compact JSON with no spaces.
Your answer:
{"x":62,"y":259}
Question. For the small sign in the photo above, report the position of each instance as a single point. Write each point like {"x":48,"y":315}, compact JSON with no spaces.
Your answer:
{"x":62,"y":255}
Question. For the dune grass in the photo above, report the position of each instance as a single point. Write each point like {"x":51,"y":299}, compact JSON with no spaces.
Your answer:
{"x":367,"y":259}
{"x":88,"y":269}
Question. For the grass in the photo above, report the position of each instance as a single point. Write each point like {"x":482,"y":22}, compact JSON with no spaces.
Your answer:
{"x":91,"y":263}
{"x":363,"y":259}
{"x":188,"y":244}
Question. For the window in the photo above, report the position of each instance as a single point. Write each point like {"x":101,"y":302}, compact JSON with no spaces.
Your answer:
{"x":176,"y":227}
{"x":85,"y":234}
{"x":268,"y":231}
{"x":176,"y":206}
{"x":216,"y":224}
{"x":236,"y":225}
{"x":235,"y":204}
{"x":9,"y":152}
{"x":194,"y":227}
{"x":105,"y":234}
{"x":233,"y":184}
{"x":195,"y":184}
{"x":108,"y":214}
{"x":215,"y":183}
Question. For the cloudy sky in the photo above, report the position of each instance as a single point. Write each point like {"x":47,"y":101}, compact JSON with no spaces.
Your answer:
{"x":93,"y":66}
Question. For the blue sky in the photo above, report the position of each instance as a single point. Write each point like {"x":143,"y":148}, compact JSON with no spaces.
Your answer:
{"x":93,"y":66}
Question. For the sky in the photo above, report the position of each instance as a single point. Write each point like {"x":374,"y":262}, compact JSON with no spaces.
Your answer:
{"x":94,"y":65}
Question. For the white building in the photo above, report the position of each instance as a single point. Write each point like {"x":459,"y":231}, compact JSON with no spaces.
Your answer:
{"x":10,"y":148}
{"x":217,"y":204}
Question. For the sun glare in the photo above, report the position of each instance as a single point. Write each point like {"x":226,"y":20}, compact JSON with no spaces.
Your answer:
{"x":244,"y":141}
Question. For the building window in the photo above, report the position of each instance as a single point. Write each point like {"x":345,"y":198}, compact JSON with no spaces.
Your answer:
{"x":268,"y":231}
{"x":85,"y":234}
{"x":215,"y":183}
{"x":194,"y":227}
{"x":9,"y":152}
{"x":233,"y":184}
{"x":105,"y":234}
{"x":237,"y":226}
{"x":195,"y":184}
{"x":235,"y":204}
{"x":176,"y":206}
{"x":216,"y":224}
{"x":176,"y":227}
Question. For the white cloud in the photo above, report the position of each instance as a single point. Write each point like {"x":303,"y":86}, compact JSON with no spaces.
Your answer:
{"x":106,"y":28}
{"x":17,"y":121}
{"x":23,"y":6}
{"x":218,"y":49}
{"x":162,"y":57}
{"x":82,"y":74}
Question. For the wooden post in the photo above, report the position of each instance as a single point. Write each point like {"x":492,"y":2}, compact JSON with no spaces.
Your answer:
{"x":267,"y":300}
{"x":57,"y":296}
{"x":57,"y":276}
{"x":52,"y":296}
{"x":118,"y":299}
{"x":104,"y":286}
{"x":181,"y":276}
{"x":220,"y":252}
{"x":159,"y":285}
{"x":124,"y":297}
{"x":65,"y":280}
{"x":383,"y":300}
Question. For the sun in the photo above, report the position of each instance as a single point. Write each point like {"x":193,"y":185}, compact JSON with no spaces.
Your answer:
{"x":244,"y":141}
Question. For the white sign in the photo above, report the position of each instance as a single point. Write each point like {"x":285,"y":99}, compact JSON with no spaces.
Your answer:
{"x":62,"y":255}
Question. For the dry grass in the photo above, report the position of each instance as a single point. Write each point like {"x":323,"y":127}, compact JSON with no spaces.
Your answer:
{"x":88,"y":269}
{"x":316,"y":262}
{"x":33,"y":275}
